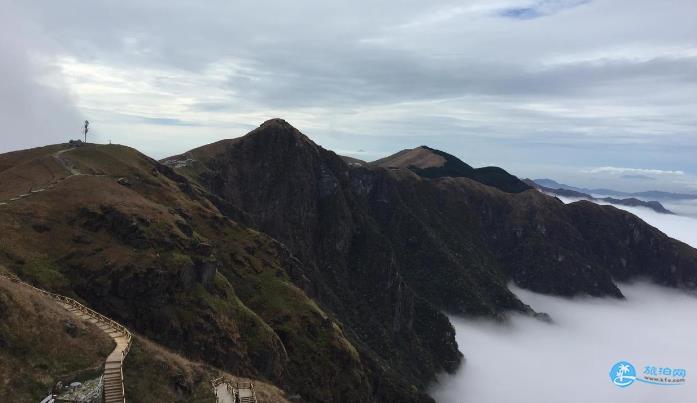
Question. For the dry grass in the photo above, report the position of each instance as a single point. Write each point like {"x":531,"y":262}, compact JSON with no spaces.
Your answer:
{"x":39,"y":244}
{"x":156,"y":374}
{"x":37,"y":346}
{"x":24,"y":171}
{"x":418,"y":157}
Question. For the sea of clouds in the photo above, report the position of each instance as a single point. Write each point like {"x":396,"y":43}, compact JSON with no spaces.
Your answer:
{"x":529,"y":361}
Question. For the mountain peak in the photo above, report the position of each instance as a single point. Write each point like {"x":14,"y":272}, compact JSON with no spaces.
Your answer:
{"x":277,"y":123}
{"x":277,"y":128}
{"x":421,"y":157}
{"x":430,"y":163}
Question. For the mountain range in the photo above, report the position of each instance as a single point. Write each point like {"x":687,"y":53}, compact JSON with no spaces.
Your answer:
{"x":270,"y":257}
{"x":631,"y":201}
{"x":646,"y":195}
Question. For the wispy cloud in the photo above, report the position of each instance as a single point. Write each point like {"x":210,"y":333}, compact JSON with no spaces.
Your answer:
{"x":621,"y":170}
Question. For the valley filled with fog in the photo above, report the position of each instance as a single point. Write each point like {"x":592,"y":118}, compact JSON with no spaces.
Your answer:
{"x":569,"y":360}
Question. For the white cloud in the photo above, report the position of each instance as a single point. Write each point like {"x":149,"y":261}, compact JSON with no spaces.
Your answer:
{"x":528,"y":361}
{"x":620,"y":171}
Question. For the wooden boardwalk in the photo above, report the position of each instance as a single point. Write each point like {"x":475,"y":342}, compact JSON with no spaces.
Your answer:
{"x":229,"y":391}
{"x":113,"y":367}
{"x":226,"y":390}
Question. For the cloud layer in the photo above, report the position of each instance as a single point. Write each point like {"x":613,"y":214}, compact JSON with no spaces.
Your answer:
{"x":529,"y":361}
{"x":535,"y":86}
{"x":619,"y":170}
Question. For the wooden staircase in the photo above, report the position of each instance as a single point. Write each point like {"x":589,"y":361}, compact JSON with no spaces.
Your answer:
{"x":113,"y":367}
{"x":227,"y":390}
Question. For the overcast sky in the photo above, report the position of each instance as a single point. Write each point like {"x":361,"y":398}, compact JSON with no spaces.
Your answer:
{"x":595,"y":93}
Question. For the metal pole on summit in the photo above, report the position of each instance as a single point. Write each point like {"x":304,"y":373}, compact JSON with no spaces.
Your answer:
{"x":87,"y":123}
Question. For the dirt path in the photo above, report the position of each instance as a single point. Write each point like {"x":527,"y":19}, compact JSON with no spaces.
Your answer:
{"x":65,"y":162}
{"x":61,"y":160}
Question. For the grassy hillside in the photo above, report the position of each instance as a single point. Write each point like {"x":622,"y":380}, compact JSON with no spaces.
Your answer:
{"x":27,"y":170}
{"x":136,"y":241}
{"x":154,"y":374}
{"x":41,"y":343}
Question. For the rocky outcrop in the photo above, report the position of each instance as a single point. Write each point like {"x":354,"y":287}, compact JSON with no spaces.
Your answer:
{"x":303,"y":196}
{"x":455,"y":240}
{"x":385,"y":245}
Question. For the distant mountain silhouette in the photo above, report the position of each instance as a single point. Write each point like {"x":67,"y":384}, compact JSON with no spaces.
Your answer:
{"x":631,"y":201}
{"x":650,"y":194}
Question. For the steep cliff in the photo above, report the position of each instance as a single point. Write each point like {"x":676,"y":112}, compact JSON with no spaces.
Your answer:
{"x":304,"y":196}
{"x":455,"y":240}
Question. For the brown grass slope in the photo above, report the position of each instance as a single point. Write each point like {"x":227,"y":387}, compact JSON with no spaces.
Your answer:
{"x":153,"y":253}
{"x":41,"y":342}
{"x":27,"y":170}
{"x":154,"y":374}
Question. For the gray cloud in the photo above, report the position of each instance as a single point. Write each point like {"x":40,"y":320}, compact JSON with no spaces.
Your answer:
{"x":361,"y":75}
{"x":35,"y":107}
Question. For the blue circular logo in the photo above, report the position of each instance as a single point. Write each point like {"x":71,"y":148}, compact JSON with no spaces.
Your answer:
{"x":622,"y":374}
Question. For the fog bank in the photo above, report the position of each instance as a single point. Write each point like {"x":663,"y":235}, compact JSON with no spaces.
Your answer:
{"x":529,"y":361}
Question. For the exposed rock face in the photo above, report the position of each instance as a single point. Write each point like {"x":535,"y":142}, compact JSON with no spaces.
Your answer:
{"x":303,"y":195}
{"x":382,"y":247}
{"x":628,"y":247}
